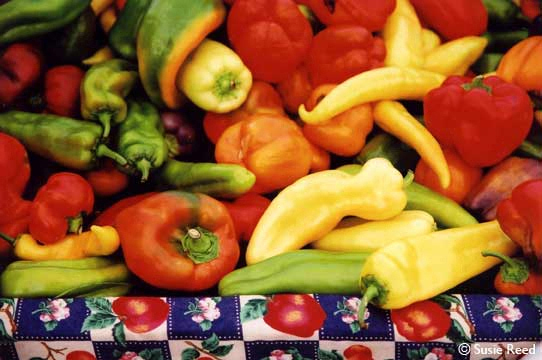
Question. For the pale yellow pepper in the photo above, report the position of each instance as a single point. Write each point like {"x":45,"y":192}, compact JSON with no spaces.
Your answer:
{"x":455,"y":57}
{"x":312,"y":206}
{"x":430,"y":40}
{"x":103,"y":54}
{"x":355,"y":234}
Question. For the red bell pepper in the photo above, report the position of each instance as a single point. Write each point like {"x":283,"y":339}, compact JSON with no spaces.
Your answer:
{"x":342,"y":51}
{"x":245,"y":212}
{"x":515,"y":277}
{"x":453,"y":19}
{"x":109,"y":216}
{"x":58,"y":207}
{"x":62,"y":85}
{"x":272,"y":37}
{"x":107,"y":180}
{"x":296,"y":89}
{"x":14,"y":216}
{"x":520,"y":218}
{"x":178,"y":241}
{"x":20,"y":67}
{"x":370,"y":14}
{"x":14,"y":164}
{"x":484,"y":120}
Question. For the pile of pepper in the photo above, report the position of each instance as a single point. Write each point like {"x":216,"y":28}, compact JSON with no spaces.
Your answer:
{"x":330,"y":146}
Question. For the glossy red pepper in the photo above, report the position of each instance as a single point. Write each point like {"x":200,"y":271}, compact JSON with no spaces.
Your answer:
{"x":484,"y":120}
{"x":515,"y":277}
{"x":519,"y":217}
{"x":296,"y":89}
{"x":62,"y":85}
{"x":108,"y":180}
{"x":14,"y":164}
{"x":14,"y":215}
{"x":58,"y":207}
{"x":109,"y":216}
{"x":20,"y":67}
{"x":245,"y":212}
{"x":342,"y":51}
{"x":178,"y":241}
{"x":453,"y":19}
{"x":530,"y":8}
{"x":370,"y":14}
{"x":272,"y":37}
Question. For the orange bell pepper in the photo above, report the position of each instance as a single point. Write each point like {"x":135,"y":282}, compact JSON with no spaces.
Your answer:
{"x":520,"y":64}
{"x":344,"y":134}
{"x":463,"y":177}
{"x":320,"y":159}
{"x":262,"y":99}
{"x":296,"y":89}
{"x":269,"y":145}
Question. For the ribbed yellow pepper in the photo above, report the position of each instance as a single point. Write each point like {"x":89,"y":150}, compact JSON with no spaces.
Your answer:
{"x":355,"y":234}
{"x":456,"y":56}
{"x":430,"y":41}
{"x":313,"y":205}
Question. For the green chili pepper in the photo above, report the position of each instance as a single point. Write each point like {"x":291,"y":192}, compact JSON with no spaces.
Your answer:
{"x":141,"y":138}
{"x":300,"y":271}
{"x":23,"y":19}
{"x":103,"y":91}
{"x":222,"y":180}
{"x":73,"y":143}
{"x":502,"y":41}
{"x":487,"y":63}
{"x":384,"y":145}
{"x":123,"y":34}
{"x":503,"y":13}
{"x":56,"y":278}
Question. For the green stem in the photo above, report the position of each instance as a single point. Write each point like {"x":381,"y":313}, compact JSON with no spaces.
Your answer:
{"x":199,"y":245}
{"x":477,"y":83}
{"x":103,"y":150}
{"x":8,"y":238}
{"x":408,"y":179}
{"x":75,"y":224}
{"x":370,"y":293}
{"x":513,"y":271}
{"x":105,"y":119}
{"x":503,"y":257}
{"x":144,"y":166}
{"x":531,"y":149}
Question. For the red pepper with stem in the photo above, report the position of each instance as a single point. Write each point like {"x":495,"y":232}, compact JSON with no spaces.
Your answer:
{"x":515,"y":277}
{"x":245,"y":212}
{"x":59,"y":206}
{"x":20,"y":67}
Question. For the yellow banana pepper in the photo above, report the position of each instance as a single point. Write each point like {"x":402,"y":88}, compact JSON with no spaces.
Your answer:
{"x":419,"y":268}
{"x":430,"y":41}
{"x":99,"y":56}
{"x":215,"y":78}
{"x":355,"y":234}
{"x":387,"y":83}
{"x":394,"y":118}
{"x":99,"y":241}
{"x":456,"y":56}
{"x":402,"y":36}
{"x":312,"y":206}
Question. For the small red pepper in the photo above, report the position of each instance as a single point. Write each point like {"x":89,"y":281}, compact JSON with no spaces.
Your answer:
{"x":107,"y":180}
{"x":245,"y":212}
{"x":421,"y":321}
{"x":58,"y":207}
{"x":20,"y":67}
{"x":296,"y":89}
{"x":14,"y":164}
{"x":14,"y":215}
{"x":109,"y":216}
{"x":515,"y":277}
{"x":62,"y":85}
{"x":530,"y":8}
{"x":520,"y":218}
{"x":484,"y":120}
{"x":272,"y":37}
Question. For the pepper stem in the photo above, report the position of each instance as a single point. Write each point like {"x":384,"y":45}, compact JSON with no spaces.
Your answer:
{"x":513,"y":271}
{"x":531,"y":149}
{"x":408,"y":179}
{"x":105,"y":119}
{"x":477,"y":83}
{"x":8,"y":238}
{"x":144,"y":166}
{"x":198,"y":244}
{"x":103,"y":150}
{"x":370,"y":293}
{"x":75,"y":224}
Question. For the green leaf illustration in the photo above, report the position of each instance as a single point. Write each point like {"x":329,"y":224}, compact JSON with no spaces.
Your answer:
{"x":413,"y":354}
{"x":189,"y":354}
{"x":119,"y":335}
{"x":206,"y":325}
{"x":37,"y":358}
{"x":457,"y":334}
{"x":8,"y":301}
{"x":50,"y":325}
{"x":98,"y":320}
{"x":329,"y":355}
{"x":217,"y":299}
{"x":537,"y":301}
{"x":222,"y":350}
{"x":99,"y":305}
{"x":211,"y":342}
{"x":253,"y":309}
{"x":117,"y":353}
{"x":446,"y":301}
{"x":423,"y":351}
{"x":355,"y":328}
{"x":507,"y":326}
{"x":151,"y":354}
{"x":4,"y":335}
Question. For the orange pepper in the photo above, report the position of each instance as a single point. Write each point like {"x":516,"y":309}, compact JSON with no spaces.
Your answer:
{"x":463,"y":177}
{"x":269,"y":145}
{"x":345,"y":133}
{"x":296,"y":89}
{"x":262,"y":99}
{"x":320,"y":158}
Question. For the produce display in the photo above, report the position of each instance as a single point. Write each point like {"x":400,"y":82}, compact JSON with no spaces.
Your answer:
{"x":387,"y":149}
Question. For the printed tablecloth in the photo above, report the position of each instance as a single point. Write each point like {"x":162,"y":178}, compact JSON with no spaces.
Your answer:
{"x":282,"y":327}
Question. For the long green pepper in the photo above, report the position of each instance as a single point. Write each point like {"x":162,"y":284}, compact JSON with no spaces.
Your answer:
{"x":141,"y":139}
{"x":103,"y":92}
{"x":73,"y":143}
{"x":23,"y":19}
{"x":123,"y":34}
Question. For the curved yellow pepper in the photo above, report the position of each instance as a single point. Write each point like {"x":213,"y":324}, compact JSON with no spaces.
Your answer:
{"x":312,"y":206}
{"x":456,"y":56}
{"x":103,"y":54}
{"x":430,"y":41}
{"x":387,"y":83}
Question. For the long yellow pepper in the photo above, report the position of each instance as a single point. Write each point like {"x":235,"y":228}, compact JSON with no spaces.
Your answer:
{"x":394,"y":118}
{"x":387,"y":83}
{"x":402,"y":36}
{"x":430,"y":41}
{"x":456,"y":56}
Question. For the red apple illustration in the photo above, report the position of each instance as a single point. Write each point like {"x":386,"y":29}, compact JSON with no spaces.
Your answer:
{"x":80,"y":355}
{"x":421,"y":321}
{"x":358,"y":352}
{"x":141,"y":314}
{"x":299,"y":315}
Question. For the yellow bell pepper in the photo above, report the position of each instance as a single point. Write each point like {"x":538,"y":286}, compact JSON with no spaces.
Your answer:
{"x":355,"y":234}
{"x":402,"y":36}
{"x":394,"y":118}
{"x":387,"y":83}
{"x":456,"y":56}
{"x":103,"y":54}
{"x":215,"y":78}
{"x":312,"y":206}
{"x":99,"y":241}
{"x":430,"y":41}
{"x":419,"y":268}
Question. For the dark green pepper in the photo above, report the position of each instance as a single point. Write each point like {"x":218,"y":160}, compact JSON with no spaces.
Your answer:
{"x":23,"y":19}
{"x":402,"y":156}
{"x":93,"y":276}
{"x":123,"y":34}
{"x":103,"y":92}
{"x":487,"y":63}
{"x":503,"y":13}
{"x":503,"y":41}
{"x":299,"y":272}
{"x":141,"y":139}
{"x":222,"y":180}
{"x":73,"y":143}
